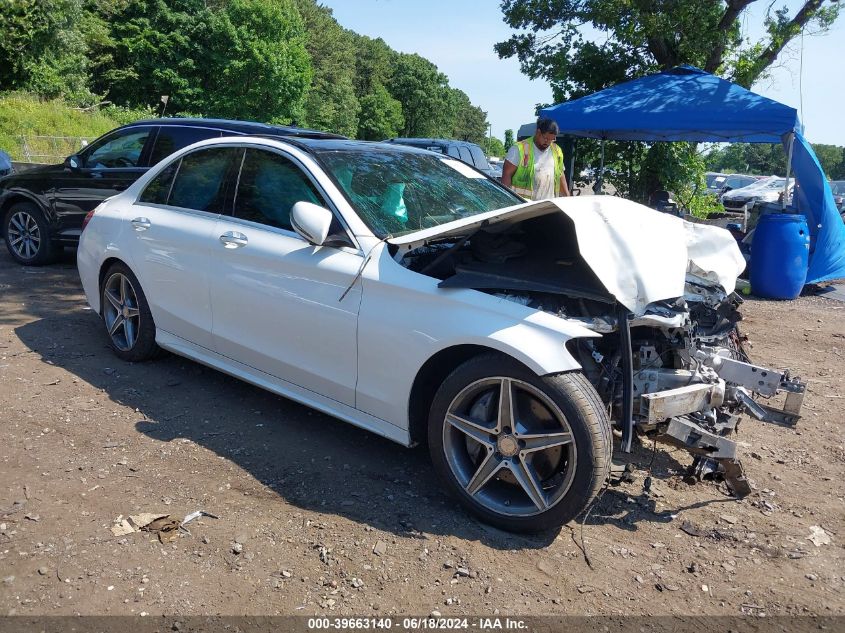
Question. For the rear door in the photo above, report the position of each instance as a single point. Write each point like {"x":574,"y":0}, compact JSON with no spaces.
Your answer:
{"x":276,"y":298}
{"x":173,"y":224}
{"x":171,"y":138}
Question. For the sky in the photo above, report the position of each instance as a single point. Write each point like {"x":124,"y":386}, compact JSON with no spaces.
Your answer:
{"x":458,"y":37}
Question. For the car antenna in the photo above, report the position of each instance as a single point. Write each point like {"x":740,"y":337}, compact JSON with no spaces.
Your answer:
{"x":363,"y":266}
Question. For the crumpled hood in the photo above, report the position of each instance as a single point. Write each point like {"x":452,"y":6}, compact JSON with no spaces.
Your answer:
{"x":640,"y":255}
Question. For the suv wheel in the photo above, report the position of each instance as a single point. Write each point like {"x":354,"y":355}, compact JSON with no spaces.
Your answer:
{"x":26,"y":234}
{"x":522,"y":452}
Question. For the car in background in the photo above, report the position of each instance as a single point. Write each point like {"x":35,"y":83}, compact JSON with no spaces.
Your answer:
{"x":5,"y":164}
{"x":718,"y":184}
{"x":837,"y":187}
{"x":404,"y":292}
{"x":464,"y":151}
{"x":765,"y":190}
{"x":42,"y":209}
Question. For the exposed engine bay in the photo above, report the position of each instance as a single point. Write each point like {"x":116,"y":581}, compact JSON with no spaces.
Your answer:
{"x":674,"y":370}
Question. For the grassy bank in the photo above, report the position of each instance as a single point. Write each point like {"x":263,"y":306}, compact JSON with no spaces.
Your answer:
{"x":47,"y":131}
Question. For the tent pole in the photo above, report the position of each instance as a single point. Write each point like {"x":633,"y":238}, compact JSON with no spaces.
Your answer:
{"x":788,"y":168}
{"x":600,"y":180}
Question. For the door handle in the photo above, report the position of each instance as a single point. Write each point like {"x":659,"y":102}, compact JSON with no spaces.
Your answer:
{"x":233,"y":239}
{"x":141,"y":224}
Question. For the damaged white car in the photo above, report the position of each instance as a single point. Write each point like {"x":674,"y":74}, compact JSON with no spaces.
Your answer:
{"x":407,"y":293}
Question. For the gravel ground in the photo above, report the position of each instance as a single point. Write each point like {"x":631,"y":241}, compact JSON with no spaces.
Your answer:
{"x":317,"y":517}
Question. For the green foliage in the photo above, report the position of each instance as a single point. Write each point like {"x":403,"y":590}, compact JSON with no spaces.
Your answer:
{"x":256,"y":65}
{"x":42,"y":48}
{"x":469,"y":122}
{"x":271,"y":60}
{"x":494,"y":147}
{"x":508,"y":140}
{"x":331,"y":104}
{"x":425,"y":96}
{"x":762,"y":159}
{"x":381,"y":116}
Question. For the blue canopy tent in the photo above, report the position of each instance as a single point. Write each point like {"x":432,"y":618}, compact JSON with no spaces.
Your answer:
{"x":688,"y":104}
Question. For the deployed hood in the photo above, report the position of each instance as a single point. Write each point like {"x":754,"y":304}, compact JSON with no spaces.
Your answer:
{"x":639,"y":255}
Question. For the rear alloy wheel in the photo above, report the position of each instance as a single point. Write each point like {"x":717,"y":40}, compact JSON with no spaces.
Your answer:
{"x":26,"y":235}
{"x":523,"y":452}
{"x":127,"y":316}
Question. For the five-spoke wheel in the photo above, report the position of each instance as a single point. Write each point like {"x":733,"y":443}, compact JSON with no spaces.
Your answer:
{"x":126,"y":315}
{"x":523,"y":452}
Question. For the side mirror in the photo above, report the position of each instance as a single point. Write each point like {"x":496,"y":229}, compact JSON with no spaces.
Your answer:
{"x":311,"y":222}
{"x":73,"y":162}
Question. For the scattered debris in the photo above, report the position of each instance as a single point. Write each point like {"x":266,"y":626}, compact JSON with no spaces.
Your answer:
{"x":122,"y":528}
{"x":818,"y":536}
{"x":691,"y":529}
{"x":728,"y":518}
{"x":380,"y":548}
{"x":237,"y":548}
{"x":195,"y":515}
{"x":166,"y":527}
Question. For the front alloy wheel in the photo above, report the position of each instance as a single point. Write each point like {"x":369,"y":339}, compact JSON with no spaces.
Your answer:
{"x":523,"y":452}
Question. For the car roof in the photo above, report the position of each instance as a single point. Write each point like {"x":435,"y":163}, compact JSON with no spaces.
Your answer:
{"x":243,"y":127}
{"x":317,"y":145}
{"x":427,"y":141}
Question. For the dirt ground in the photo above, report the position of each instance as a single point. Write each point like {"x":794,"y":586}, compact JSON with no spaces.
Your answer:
{"x":303,"y":500}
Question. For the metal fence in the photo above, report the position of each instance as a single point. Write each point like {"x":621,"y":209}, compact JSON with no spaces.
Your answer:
{"x":49,"y":149}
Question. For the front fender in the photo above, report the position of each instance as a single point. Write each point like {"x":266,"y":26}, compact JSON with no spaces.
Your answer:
{"x":405,"y":319}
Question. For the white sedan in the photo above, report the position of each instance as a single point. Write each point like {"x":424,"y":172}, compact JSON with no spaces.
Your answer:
{"x":408,"y":294}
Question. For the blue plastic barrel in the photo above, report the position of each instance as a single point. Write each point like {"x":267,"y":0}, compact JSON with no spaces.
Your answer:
{"x":779,"y":256}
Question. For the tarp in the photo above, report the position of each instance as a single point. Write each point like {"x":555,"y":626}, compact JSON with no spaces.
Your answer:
{"x":682,"y":104}
{"x":815,"y":201}
{"x":688,"y":104}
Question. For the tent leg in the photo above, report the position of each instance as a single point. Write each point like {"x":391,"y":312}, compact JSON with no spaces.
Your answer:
{"x":598,"y":187}
{"x":788,"y":169}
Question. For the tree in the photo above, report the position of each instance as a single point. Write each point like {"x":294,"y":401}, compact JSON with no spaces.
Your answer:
{"x":508,"y":140}
{"x":255,"y":62}
{"x":469,"y":122}
{"x":424,"y":94}
{"x":43,"y":48}
{"x":152,"y":50}
{"x":494,"y":147}
{"x":381,"y":116}
{"x":832,"y":159}
{"x":332,"y":104}
{"x":641,"y":37}
{"x":374,"y":63}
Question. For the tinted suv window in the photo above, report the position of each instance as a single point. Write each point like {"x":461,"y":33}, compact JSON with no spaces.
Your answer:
{"x":121,"y":149}
{"x":270,"y":185}
{"x":159,"y":188}
{"x":172,"y":138}
{"x":453,"y":151}
{"x":465,"y":155}
{"x":200,"y":180}
{"x":478,"y":157}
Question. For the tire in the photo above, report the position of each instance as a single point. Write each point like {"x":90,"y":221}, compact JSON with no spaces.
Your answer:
{"x":27,"y":235}
{"x":126,"y":315}
{"x":536,"y":475}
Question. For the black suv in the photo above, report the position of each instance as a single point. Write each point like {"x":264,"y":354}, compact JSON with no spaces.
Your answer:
{"x":467,"y":152}
{"x":42,"y":209}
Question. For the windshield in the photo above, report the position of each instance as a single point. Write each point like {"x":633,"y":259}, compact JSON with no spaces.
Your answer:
{"x":398,"y":192}
{"x":838,"y":187}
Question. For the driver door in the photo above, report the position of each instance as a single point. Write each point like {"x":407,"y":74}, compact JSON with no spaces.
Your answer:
{"x":275,"y":297}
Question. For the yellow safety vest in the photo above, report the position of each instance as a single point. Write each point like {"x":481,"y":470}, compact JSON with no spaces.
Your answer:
{"x":522,"y":181}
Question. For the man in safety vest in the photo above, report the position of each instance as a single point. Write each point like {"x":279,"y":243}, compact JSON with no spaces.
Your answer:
{"x":534,"y":167}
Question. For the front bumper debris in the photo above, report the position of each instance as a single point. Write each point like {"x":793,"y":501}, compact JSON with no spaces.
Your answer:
{"x":700,"y":417}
